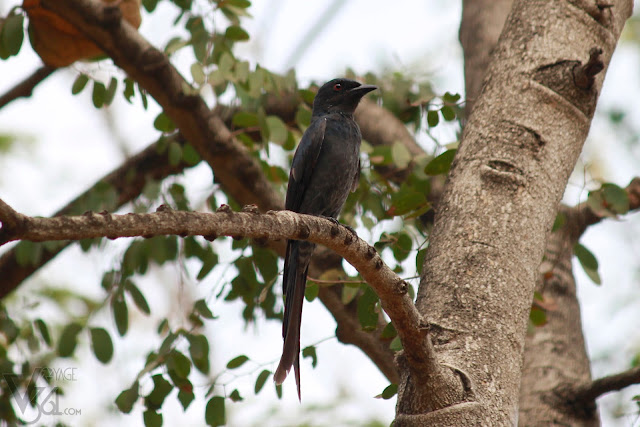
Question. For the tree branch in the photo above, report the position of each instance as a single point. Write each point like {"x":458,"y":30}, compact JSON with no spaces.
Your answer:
{"x":587,"y":393}
{"x":239,"y":174}
{"x":24,"y":89}
{"x":250,"y":223}
{"x":582,"y":216}
{"x":147,"y":165}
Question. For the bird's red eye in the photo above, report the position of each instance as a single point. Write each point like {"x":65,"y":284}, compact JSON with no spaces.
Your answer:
{"x":337,"y":87}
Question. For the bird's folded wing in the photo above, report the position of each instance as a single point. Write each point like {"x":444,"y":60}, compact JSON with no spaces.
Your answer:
{"x":304,"y":162}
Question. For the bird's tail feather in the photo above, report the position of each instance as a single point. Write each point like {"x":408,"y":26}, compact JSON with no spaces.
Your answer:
{"x":296,"y":265}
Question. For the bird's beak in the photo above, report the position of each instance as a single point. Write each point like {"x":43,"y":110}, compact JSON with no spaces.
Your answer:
{"x":363,"y":89}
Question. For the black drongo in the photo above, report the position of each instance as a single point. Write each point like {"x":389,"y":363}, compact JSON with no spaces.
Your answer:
{"x":325,"y":168}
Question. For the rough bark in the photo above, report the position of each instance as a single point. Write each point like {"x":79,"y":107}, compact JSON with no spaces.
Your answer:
{"x":555,"y":353}
{"x":549,"y":375}
{"x":556,"y":377}
{"x":519,"y":147}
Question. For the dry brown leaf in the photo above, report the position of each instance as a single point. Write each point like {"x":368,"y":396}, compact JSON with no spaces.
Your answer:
{"x":58,"y":42}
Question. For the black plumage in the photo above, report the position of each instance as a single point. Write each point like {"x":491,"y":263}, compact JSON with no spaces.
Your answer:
{"x":325,"y":168}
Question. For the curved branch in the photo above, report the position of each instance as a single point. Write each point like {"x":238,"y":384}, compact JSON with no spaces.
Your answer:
{"x":582,"y":216}
{"x":24,"y":89}
{"x":587,"y":393}
{"x":273,"y":225}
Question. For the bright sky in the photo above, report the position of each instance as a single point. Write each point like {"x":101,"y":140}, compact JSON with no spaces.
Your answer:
{"x":66,"y":144}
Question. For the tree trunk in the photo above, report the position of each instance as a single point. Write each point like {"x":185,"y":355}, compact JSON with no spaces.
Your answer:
{"x":523,"y":138}
{"x":554,"y":354}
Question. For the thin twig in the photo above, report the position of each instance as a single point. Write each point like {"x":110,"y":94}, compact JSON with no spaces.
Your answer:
{"x":593,"y":390}
{"x":25,"y":88}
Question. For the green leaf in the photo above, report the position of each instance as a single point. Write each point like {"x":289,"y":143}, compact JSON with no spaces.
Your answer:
{"x":242,"y":71}
{"x":199,"y":352}
{"x":267,"y":263}
{"x":161,"y":389}
{"x":235,"y":396}
{"x":215,"y":413}
{"x":111,"y":91}
{"x":349,"y":292}
{"x":174,"y":153}
{"x":190,"y":155}
{"x":389,"y":331}
{"x":588,"y":262}
{"x":236,"y":33}
{"x":179,"y":363}
{"x":367,"y":314}
{"x":307,"y":95}
{"x":150,"y":5}
{"x":120,"y":313}
{"x":277,"y":130}
{"x":12,"y":33}
{"x":559,"y":222}
{"x":311,"y":291}
{"x":127,"y":398}
{"x":28,"y":253}
{"x":68,"y":339}
{"x":432,"y":118}
{"x":208,"y":264}
{"x":152,"y":418}
{"x":243,"y":4}
{"x":450,"y":98}
{"x":44,"y":331}
{"x":202,"y":309}
{"x":197,"y":73}
{"x":138,"y":297}
{"x":440,"y":164}
{"x":128,"y":89}
{"x":448,"y":113}
{"x":303,"y":117}
{"x":310,"y":351}
{"x":237,"y":362}
{"x":8,"y":328}
{"x":101,"y":344}
{"x":390,"y":391}
{"x":401,"y":156}
{"x":278,"y":390}
{"x":262,"y":379}
{"x":168,"y":342}
{"x":163,"y":123}
{"x":79,"y":84}
{"x":396,"y":344}
{"x":243,"y":119}
{"x":406,"y":200}
{"x":609,"y":201}
{"x":99,"y":94}
{"x":538,"y":316}
{"x":143,"y":97}
{"x":185,"y":398}
{"x":402,"y":246}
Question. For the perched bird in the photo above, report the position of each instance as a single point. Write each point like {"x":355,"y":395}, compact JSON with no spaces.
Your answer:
{"x":325,"y":168}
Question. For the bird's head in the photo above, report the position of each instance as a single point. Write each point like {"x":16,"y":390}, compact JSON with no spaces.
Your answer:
{"x":340,"y":96}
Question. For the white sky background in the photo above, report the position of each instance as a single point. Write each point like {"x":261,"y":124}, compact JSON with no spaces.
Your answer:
{"x":66,"y":145}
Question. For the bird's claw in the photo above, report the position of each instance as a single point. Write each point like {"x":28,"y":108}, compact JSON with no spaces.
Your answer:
{"x":336,"y":222}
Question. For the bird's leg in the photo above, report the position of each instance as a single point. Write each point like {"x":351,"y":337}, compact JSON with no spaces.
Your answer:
{"x":336,"y":222}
